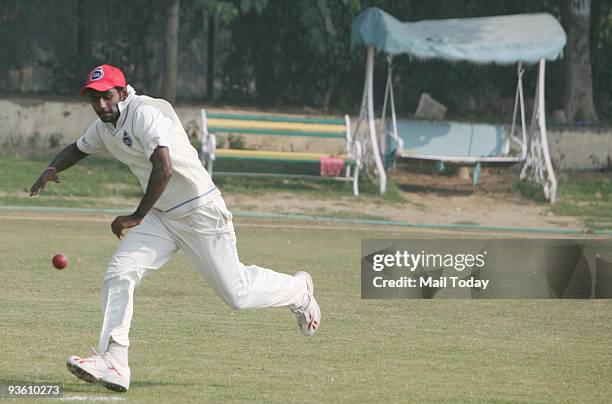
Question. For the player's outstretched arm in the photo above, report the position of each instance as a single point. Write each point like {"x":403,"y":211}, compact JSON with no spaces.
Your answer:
{"x":64,"y":159}
{"x":158,"y":180}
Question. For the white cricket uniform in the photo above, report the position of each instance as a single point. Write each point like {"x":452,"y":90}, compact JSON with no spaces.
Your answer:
{"x":190,"y":215}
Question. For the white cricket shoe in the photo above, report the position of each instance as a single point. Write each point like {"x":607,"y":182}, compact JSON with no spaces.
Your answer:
{"x":309,"y":316}
{"x":101,"y":368}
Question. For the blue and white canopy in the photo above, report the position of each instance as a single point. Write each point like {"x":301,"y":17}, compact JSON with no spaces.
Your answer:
{"x":502,"y":39}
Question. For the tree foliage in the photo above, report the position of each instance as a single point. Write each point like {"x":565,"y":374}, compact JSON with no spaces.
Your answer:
{"x":291,"y":52}
{"x":601,"y":56}
{"x":272,"y":53}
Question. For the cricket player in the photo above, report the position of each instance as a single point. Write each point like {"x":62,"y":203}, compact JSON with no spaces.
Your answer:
{"x":181,"y":208}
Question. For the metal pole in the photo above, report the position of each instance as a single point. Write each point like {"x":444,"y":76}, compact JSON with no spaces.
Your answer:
{"x":552,"y":192}
{"x":373,"y":138}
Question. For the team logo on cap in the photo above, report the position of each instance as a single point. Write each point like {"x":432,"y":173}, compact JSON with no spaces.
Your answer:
{"x":97,"y":74}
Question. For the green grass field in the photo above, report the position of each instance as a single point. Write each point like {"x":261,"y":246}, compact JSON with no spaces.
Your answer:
{"x":103,"y":183}
{"x":187,"y":346}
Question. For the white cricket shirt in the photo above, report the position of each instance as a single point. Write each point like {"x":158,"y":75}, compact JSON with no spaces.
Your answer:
{"x":144,"y":124}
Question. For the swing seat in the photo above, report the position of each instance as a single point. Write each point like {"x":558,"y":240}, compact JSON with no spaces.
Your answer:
{"x":454,"y":142}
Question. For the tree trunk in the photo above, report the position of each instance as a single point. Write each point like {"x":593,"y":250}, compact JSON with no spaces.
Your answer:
{"x":210,"y":63}
{"x":171,"y":66}
{"x":84,"y":24}
{"x":578,"y":96}
{"x":332,"y":82}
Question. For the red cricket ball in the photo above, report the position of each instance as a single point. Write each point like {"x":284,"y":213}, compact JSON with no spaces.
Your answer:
{"x":60,"y":261}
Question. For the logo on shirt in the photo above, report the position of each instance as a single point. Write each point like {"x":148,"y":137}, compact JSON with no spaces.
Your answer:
{"x":127,"y":139}
{"x":97,"y":74}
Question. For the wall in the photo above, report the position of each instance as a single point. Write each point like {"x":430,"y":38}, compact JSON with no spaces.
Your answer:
{"x":580,"y":148}
{"x":36,"y":123}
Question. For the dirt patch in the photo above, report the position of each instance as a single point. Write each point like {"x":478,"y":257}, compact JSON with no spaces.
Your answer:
{"x":428,"y":198}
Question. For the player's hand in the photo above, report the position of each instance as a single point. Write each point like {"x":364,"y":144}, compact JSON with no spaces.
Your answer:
{"x":50,"y":174}
{"x":122,"y":223}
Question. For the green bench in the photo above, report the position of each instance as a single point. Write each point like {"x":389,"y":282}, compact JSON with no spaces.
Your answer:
{"x":344,"y":167}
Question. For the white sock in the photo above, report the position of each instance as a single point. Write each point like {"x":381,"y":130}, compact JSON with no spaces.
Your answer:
{"x":119,"y":353}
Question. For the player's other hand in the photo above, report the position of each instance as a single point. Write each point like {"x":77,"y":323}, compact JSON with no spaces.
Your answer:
{"x":50,"y":174}
{"x":122,"y":223}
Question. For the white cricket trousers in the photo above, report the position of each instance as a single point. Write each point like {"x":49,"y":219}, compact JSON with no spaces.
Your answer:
{"x":207,"y":237}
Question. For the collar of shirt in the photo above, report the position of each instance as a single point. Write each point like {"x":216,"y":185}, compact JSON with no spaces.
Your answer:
{"x":123,"y":107}
{"x":131,"y":93}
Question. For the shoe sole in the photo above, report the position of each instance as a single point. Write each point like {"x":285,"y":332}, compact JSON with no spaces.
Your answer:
{"x":89,"y":378}
{"x":81,"y":374}
{"x":113,"y":386}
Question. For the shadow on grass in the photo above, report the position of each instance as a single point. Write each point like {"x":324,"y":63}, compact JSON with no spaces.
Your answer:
{"x":428,"y":189}
{"x":532,"y":191}
{"x":324,"y":188}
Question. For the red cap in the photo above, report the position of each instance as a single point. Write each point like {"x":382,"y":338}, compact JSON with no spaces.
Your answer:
{"x":103,"y":78}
